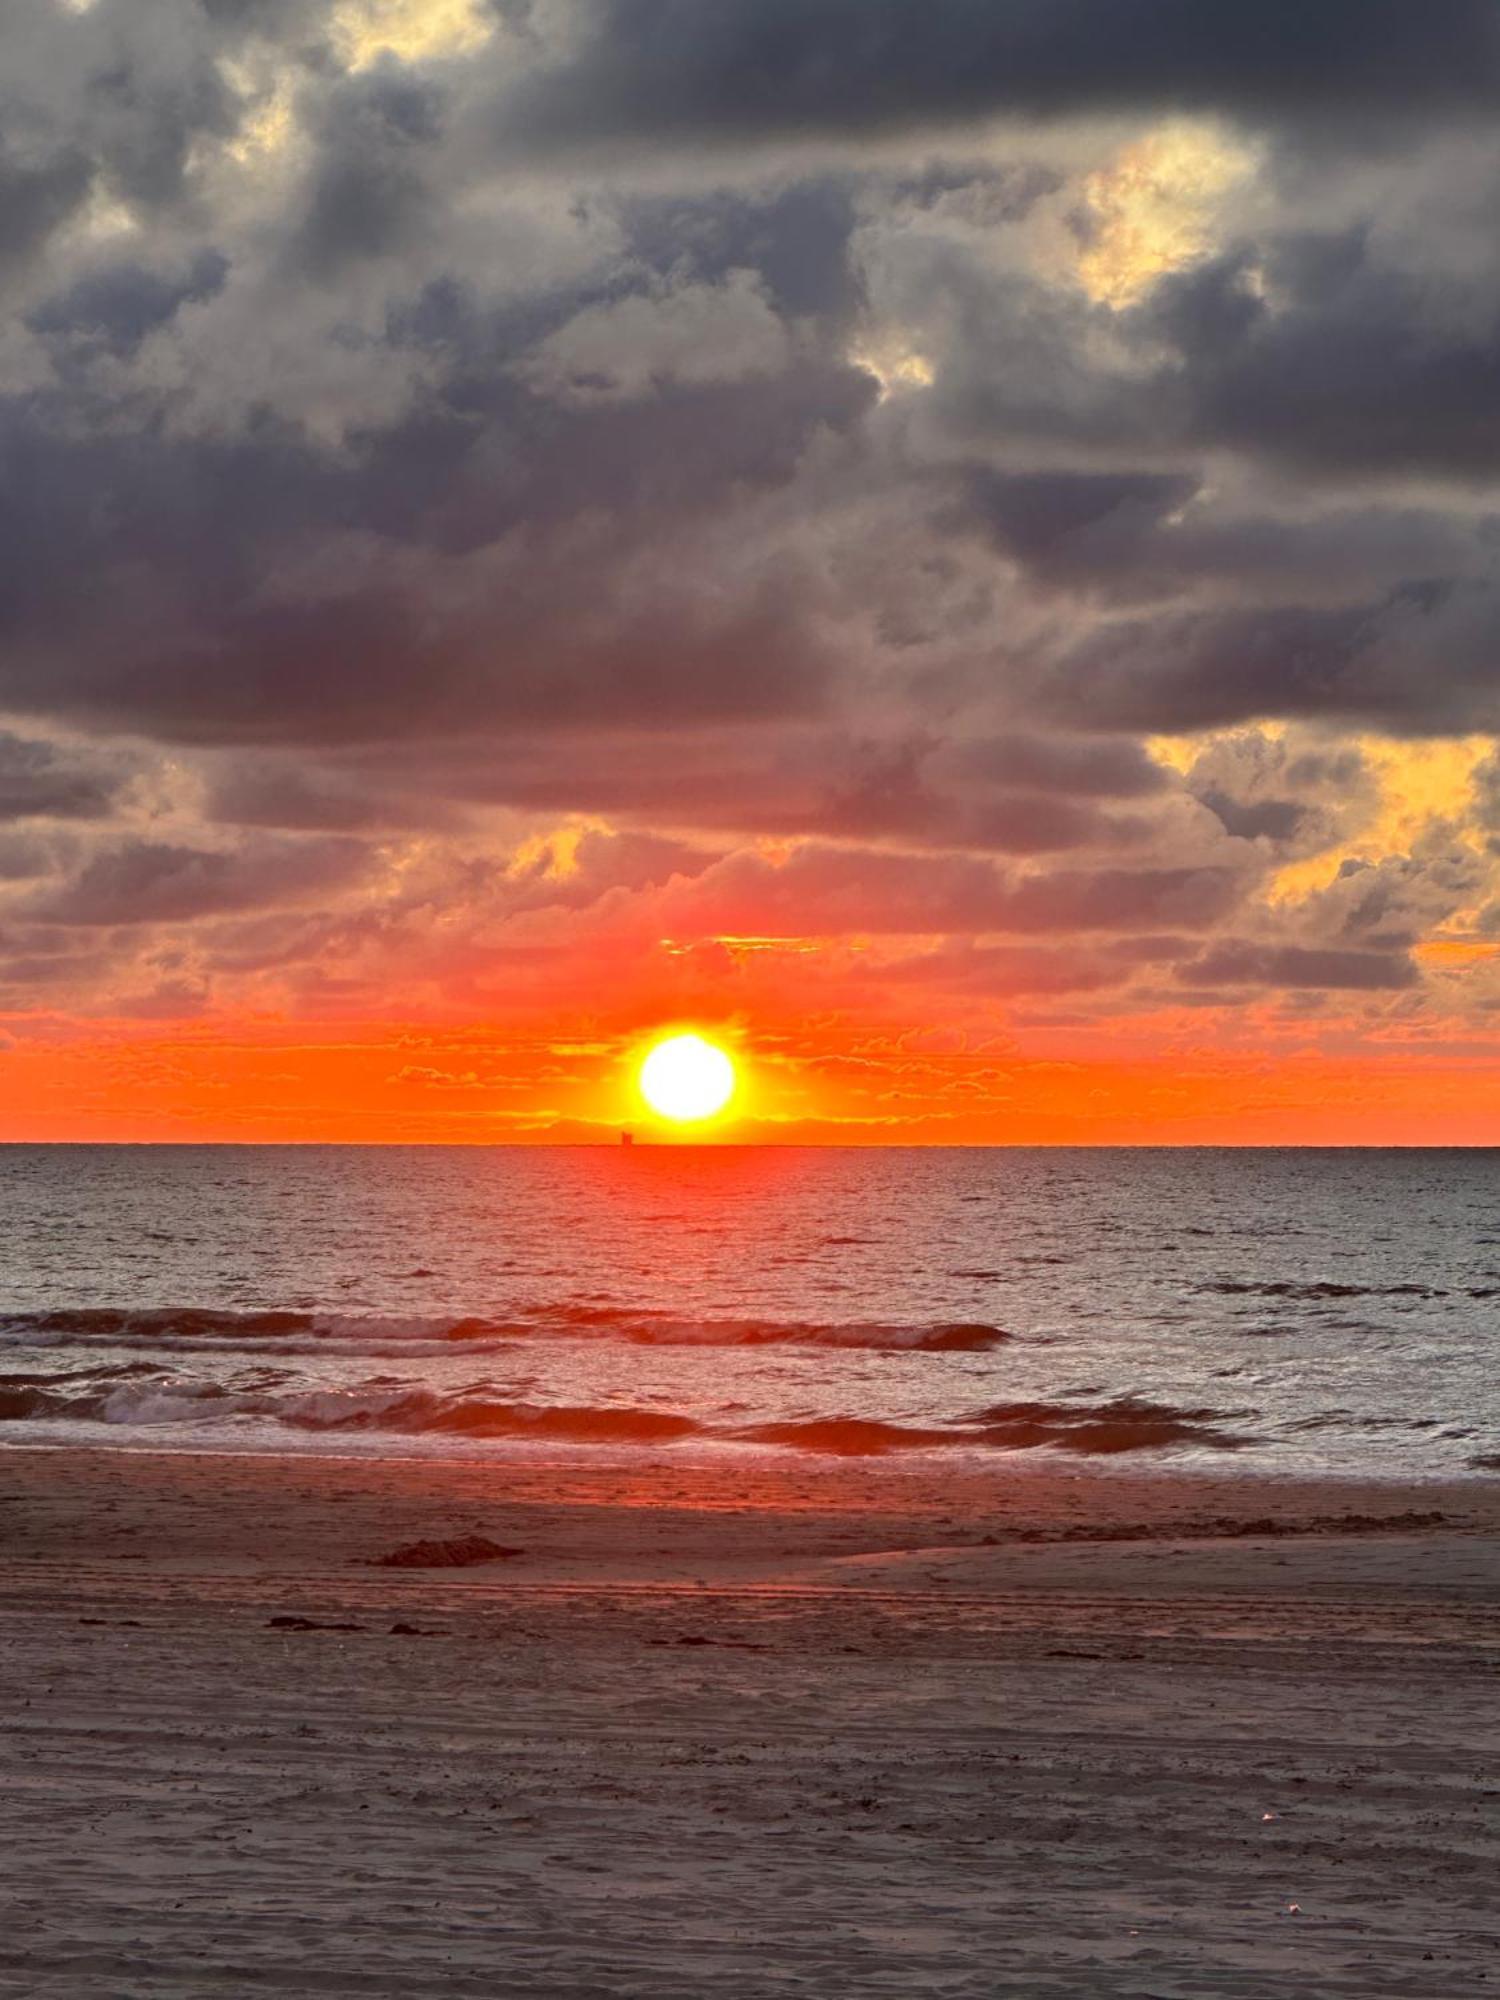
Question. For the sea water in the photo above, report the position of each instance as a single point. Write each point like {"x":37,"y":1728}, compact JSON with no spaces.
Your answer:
{"x":1288,"y":1311}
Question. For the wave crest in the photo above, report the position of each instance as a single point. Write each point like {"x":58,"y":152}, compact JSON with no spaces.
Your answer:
{"x":404,"y":1409}
{"x":292,"y":1331}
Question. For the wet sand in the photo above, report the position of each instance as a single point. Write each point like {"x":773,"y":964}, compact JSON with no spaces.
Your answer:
{"x":749,"y":1729}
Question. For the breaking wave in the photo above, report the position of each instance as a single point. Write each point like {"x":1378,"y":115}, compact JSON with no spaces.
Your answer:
{"x":183,"y":1329}
{"x":405,"y":1410}
{"x":1318,"y":1288}
{"x":1127,"y":1423}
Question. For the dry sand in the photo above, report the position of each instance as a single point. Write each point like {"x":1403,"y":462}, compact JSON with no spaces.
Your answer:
{"x":808,"y":1729}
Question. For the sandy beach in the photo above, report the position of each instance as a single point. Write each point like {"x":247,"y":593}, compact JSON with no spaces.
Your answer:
{"x":743,"y":1729}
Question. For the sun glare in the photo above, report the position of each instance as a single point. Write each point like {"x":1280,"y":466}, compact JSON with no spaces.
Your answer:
{"x":687,"y":1079}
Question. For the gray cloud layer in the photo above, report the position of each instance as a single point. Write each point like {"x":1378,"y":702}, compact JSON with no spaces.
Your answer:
{"x":820,"y":419}
{"x":649,"y":67}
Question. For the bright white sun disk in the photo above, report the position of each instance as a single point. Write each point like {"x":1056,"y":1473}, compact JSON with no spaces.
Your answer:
{"x":687,"y":1078}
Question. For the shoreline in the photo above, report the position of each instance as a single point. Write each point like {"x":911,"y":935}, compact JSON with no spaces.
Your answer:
{"x":1015,"y":1492}
{"x":720,"y":1457}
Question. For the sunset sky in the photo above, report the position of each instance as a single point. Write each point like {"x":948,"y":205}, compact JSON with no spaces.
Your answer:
{"x":952,"y":549}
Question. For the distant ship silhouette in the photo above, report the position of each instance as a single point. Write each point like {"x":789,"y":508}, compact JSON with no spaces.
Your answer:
{"x":627,"y":1138}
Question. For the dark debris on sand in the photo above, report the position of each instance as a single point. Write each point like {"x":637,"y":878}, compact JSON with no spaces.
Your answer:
{"x":1227,"y":1527}
{"x":287,"y":1622}
{"x":702,"y":1639}
{"x":461,"y":1552}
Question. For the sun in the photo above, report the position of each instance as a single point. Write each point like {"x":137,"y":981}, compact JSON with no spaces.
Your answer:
{"x":687,"y":1079}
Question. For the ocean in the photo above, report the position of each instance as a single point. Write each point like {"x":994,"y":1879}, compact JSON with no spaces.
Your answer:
{"x":1282,"y":1311}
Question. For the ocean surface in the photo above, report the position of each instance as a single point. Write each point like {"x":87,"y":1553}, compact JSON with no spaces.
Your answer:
{"x":1286,"y":1311}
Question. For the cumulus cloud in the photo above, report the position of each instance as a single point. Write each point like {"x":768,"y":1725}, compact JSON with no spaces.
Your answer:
{"x":1302,"y":796}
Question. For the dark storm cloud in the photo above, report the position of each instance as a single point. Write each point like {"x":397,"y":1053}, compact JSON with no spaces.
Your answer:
{"x":1238,"y":963}
{"x":648,"y":69}
{"x":298,"y":798}
{"x":883,"y":804}
{"x":368,"y":191}
{"x":1258,"y":819}
{"x":1367,"y":361}
{"x":1038,"y":515}
{"x":36,"y":198}
{"x":796,"y":237}
{"x":1019,"y":794}
{"x":142,"y":882}
{"x":1356,"y":368}
{"x":185,"y":536}
{"x":830,"y":891}
{"x":120,"y":304}
{"x":547,"y":634}
{"x":1142,"y":536}
{"x":1425,"y":661}
{"x":1121,"y":899}
{"x":182,"y":533}
{"x":1021,"y":797}
{"x":1008,"y":970}
{"x":41,"y":781}
{"x":1204,"y":670}
{"x":1087,"y":767}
